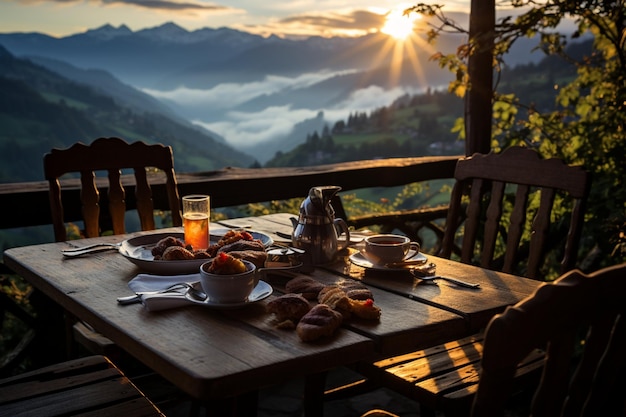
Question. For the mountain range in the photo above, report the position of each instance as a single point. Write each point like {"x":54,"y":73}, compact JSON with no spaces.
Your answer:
{"x":40,"y":110}
{"x":173,"y":64}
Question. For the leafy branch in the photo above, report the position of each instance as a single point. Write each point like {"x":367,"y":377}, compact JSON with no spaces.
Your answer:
{"x":587,"y":123}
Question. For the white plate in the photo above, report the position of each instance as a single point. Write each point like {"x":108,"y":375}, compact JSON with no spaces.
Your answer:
{"x":260,"y":292}
{"x":138,"y":250}
{"x":414,"y":258}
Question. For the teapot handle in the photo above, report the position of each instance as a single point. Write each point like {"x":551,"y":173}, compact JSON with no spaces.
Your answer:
{"x":342,"y":227}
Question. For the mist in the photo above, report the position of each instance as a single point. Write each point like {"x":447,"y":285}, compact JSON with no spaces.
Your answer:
{"x":221,"y":109}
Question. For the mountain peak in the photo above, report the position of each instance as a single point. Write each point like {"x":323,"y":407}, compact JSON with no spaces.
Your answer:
{"x":108,"y":32}
{"x":169,"y":32}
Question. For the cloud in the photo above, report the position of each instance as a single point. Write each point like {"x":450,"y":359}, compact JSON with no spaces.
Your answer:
{"x":167,"y":5}
{"x":230,"y":95}
{"x":323,"y":23}
{"x":358,"y":19}
{"x":246,"y":129}
{"x":161,"y":5}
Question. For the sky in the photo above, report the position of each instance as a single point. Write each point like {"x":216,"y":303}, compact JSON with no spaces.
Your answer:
{"x":283,"y":18}
{"x":286,"y":18}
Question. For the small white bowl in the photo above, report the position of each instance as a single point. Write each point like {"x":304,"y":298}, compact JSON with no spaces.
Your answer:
{"x":228,"y":288}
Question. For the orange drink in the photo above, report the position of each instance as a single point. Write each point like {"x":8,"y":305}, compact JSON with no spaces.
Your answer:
{"x":196,"y":230}
{"x":196,"y":214}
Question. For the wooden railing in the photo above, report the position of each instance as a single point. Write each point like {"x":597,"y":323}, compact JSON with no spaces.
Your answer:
{"x":236,"y":186}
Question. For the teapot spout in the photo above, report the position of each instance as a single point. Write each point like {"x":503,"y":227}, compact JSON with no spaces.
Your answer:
{"x":294,"y":222}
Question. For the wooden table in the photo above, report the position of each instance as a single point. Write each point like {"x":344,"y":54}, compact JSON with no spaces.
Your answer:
{"x":218,"y":354}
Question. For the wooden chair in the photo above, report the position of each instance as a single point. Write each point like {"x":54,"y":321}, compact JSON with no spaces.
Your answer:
{"x":91,"y":386}
{"x":487,"y":180}
{"x":111,"y":155}
{"x":445,"y":377}
{"x":580,"y":320}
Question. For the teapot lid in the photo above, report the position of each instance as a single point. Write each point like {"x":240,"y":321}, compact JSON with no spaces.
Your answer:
{"x":318,"y":201}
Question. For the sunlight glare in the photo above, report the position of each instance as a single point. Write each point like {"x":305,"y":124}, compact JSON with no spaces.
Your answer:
{"x":398,"y":26}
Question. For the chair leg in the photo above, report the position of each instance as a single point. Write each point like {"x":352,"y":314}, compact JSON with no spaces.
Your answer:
{"x":51,"y":344}
{"x":314,"y":386}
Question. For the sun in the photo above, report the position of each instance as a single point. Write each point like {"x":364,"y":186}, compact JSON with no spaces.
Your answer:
{"x":399,"y":26}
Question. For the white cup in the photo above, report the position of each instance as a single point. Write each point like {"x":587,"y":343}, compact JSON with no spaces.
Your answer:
{"x":388,"y":249}
{"x":230,"y":288}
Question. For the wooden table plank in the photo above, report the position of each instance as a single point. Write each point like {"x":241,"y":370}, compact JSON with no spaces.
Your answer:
{"x":476,"y":305}
{"x":404,"y":324}
{"x":223,"y":353}
{"x":496,"y":291}
{"x":207,"y":353}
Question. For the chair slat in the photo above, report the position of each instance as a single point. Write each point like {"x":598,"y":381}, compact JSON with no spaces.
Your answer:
{"x":492,"y":223}
{"x":87,"y":386}
{"x":540,"y":230}
{"x":144,"y":199}
{"x":117,"y":202}
{"x":516,"y":227}
{"x":90,"y":200}
{"x":471,"y":225}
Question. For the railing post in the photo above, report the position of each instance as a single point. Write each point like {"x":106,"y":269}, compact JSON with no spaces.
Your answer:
{"x":478,"y":101}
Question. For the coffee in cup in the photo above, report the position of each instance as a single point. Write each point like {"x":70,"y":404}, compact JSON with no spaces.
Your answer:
{"x":386,"y":249}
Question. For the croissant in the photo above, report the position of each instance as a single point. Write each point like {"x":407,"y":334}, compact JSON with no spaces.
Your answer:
{"x":177,"y":253}
{"x":307,"y":286}
{"x":335,"y":298}
{"x":320,"y":321}
{"x":289,"y":307}
{"x":355,"y":290}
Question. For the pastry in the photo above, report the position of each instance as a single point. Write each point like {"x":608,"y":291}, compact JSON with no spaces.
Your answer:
{"x":320,"y":321}
{"x":365,"y":309}
{"x":258,"y":258}
{"x":289,"y":307}
{"x":335,"y":298}
{"x":224,"y":264}
{"x":307,"y":286}
{"x":355,"y":290}
{"x":177,"y":253}
{"x":165,"y":243}
{"x":241,"y":245}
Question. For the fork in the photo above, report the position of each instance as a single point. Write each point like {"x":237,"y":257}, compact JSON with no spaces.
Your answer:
{"x":97,"y":247}
{"x":136,"y":298}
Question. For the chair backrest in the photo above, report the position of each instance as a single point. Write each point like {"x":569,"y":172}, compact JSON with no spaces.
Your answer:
{"x":517,"y":181}
{"x":111,"y":155}
{"x":581,"y":320}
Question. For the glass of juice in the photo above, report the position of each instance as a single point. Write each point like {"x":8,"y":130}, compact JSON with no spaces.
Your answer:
{"x":196,"y":214}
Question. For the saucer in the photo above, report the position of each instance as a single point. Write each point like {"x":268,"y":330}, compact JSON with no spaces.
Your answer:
{"x":413,"y":258}
{"x":260,"y":292}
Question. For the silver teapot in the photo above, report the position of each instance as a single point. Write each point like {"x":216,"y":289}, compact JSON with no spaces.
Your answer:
{"x":316,"y":229}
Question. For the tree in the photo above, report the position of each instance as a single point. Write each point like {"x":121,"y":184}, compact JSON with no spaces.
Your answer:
{"x":587,"y":124}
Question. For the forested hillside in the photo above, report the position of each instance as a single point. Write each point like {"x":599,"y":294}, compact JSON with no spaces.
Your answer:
{"x":423,"y":124}
{"x":40,"y":110}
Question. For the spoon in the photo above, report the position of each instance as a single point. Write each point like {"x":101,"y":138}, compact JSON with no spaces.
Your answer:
{"x":432,"y":278}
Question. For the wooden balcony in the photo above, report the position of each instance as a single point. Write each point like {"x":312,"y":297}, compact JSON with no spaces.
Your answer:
{"x":236,"y":186}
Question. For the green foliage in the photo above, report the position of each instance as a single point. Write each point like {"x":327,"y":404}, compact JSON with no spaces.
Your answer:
{"x":586,"y":123}
{"x":40,"y":110}
{"x":14,"y":287}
